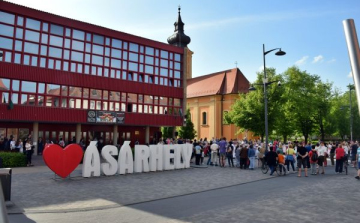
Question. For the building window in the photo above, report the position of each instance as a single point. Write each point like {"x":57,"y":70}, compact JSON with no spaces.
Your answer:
{"x":204,"y":118}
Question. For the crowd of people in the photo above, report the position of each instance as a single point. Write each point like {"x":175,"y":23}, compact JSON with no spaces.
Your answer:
{"x":251,"y":154}
{"x":19,"y":145}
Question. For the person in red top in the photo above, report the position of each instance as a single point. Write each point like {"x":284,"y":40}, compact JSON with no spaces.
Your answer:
{"x":339,"y":155}
{"x":313,"y":156}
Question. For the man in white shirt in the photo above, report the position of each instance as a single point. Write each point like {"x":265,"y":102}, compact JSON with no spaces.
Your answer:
{"x":321,"y":150}
{"x":214,"y":150}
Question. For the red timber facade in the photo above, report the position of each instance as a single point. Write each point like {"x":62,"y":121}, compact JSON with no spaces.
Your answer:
{"x":68,"y":79}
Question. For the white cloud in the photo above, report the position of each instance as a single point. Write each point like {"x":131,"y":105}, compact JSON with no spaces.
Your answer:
{"x":349,"y":75}
{"x":302,"y":61}
{"x":332,"y":61}
{"x":317,"y":59}
{"x":260,"y":69}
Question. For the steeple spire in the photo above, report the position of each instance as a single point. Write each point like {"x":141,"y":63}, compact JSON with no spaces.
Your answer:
{"x":179,"y":38}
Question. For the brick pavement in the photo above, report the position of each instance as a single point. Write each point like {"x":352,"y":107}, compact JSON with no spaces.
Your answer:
{"x":35,"y":190}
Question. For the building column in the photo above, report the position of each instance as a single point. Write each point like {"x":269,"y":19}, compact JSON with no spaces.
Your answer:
{"x":115,"y":135}
{"x":78,"y":134}
{"x":147,"y":134}
{"x":35,"y":137}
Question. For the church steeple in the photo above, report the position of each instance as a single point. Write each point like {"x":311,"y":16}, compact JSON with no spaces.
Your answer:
{"x":179,"y":38}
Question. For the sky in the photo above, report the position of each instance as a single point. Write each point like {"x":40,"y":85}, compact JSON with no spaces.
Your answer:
{"x":229,"y":33}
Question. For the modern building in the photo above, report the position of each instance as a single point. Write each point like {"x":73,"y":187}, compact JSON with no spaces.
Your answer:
{"x":209,"y":97}
{"x":67,"y":78}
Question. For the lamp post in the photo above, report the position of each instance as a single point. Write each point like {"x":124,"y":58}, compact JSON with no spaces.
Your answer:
{"x":266,"y":83}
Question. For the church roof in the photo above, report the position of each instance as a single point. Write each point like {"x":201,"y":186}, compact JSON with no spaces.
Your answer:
{"x":230,"y":81}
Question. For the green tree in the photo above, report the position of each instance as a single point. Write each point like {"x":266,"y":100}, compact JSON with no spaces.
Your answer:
{"x":167,"y":132}
{"x":187,"y":131}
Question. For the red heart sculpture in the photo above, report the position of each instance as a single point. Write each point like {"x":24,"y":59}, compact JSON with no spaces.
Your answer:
{"x":62,"y":161}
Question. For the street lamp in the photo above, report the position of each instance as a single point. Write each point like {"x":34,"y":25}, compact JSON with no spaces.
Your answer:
{"x":266,"y":83}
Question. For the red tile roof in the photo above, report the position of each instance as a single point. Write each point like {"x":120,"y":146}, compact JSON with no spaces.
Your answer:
{"x":224,"y":82}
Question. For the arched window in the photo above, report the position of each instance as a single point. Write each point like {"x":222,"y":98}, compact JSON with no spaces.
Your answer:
{"x":204,"y":118}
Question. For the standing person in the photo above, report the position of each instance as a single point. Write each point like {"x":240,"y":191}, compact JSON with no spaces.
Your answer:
{"x":339,"y":155}
{"x":62,"y":142}
{"x":261,"y":155}
{"x":243,"y":157}
{"x":302,"y":155}
{"x":313,"y":159}
{"x":281,"y":162}
{"x":237,"y":153}
{"x":358,"y":163}
{"x":82,"y":144}
{"x":354,"y":148}
{"x":28,"y":152}
{"x":271,"y":159}
{"x":40,"y":146}
{"x":197,"y":154}
{"x":222,"y":150}
{"x":251,"y":155}
{"x":332,"y":153}
{"x":321,"y":152}
{"x":202,"y":154}
{"x":209,"y":153}
{"x":229,"y":155}
{"x":214,"y":150}
{"x":12,"y":144}
{"x":289,"y":160}
{"x":19,"y":146}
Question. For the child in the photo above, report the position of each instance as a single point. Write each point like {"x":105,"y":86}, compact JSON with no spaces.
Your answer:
{"x":281,"y":162}
{"x":313,"y":156}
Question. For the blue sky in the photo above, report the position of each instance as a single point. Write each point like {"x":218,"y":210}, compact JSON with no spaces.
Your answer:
{"x":222,"y":32}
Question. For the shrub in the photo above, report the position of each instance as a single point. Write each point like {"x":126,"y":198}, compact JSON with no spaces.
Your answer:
{"x":13,"y":159}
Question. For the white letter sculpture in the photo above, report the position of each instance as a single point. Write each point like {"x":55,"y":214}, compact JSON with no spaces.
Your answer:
{"x":177,"y":157}
{"x":142,"y":154}
{"x":91,"y":163}
{"x":125,"y":161}
{"x":110,"y":167}
{"x":168,"y":156}
{"x":186,"y":154}
{"x":156,"y":157}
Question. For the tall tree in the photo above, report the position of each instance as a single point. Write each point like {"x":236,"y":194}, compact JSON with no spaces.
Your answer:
{"x":187,"y":131}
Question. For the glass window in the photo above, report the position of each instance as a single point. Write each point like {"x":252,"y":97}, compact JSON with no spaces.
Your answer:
{"x":56,"y":41}
{"x":53,"y":89}
{"x":96,"y":94}
{"x":98,"y":49}
{"x":125,"y":45}
{"x":15,"y":85}
{"x":45,"y":27}
{"x":177,"y":74}
{"x":149,"y":69}
{"x":115,"y":63}
{"x":107,"y":51}
{"x":149,"y":51}
{"x":51,"y":63}
{"x":7,"y":57}
{"x":18,"y":45}
{"x":88,"y":37}
{"x":6,"y":43}
{"x":116,"y":53}
{"x":32,"y":36}
{"x":77,"y":34}
{"x":87,"y":58}
{"x":163,"y":101}
{"x":75,"y":91}
{"x":41,"y":88}
{"x":148,"y":99}
{"x":134,"y":47}
{"x":42,"y":62}
{"x":7,"y":18}
{"x":132,"y":97}
{"x":149,"y":60}
{"x":66,"y":54}
{"x":19,"y":33}
{"x":17,"y":58}
{"x":34,"y":61}
{"x":164,"y":54}
{"x":73,"y":67}
{"x":6,"y":83}
{"x":6,"y":30}
{"x":98,"y":39}
{"x":14,"y":98}
{"x":177,"y":102}
{"x":97,"y":60}
{"x":107,"y":41}
{"x":133,"y":57}
{"x":163,"y":72}
{"x":44,"y":38}
{"x":67,"y":43}
{"x":55,"y":52}
{"x":55,"y":29}
{"x":78,"y":45}
{"x":86,"y":93}
{"x":133,"y":66}
{"x":76,"y":56}
{"x":32,"y":24}
{"x":27,"y":86}
{"x":67,"y":32}
{"x":31,"y":48}
{"x":177,"y":66}
{"x":116,"y":43}
{"x":20,"y":21}
{"x":66,"y":66}
{"x":164,"y":63}
{"x":106,"y":63}
{"x":177,"y":57}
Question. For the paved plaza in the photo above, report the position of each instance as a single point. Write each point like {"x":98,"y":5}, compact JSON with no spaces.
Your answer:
{"x":211,"y":194}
